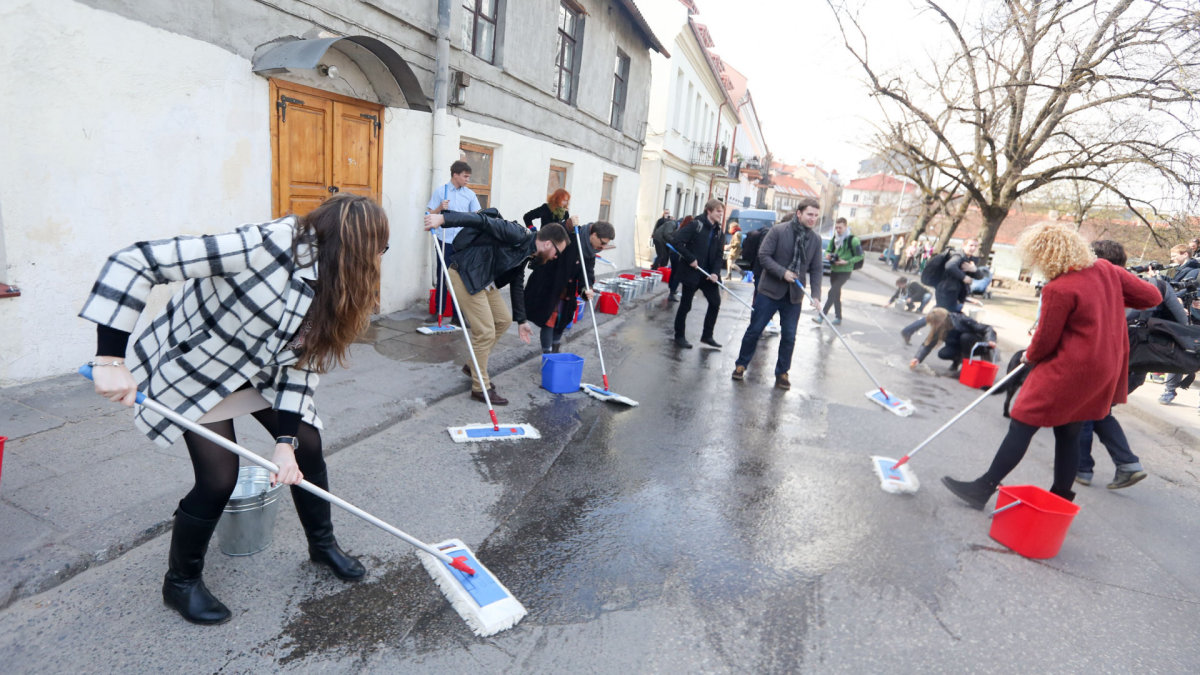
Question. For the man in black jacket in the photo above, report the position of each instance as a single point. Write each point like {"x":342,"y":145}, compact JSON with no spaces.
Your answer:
{"x":663,"y":227}
{"x":954,"y":289}
{"x":491,"y":252}
{"x":701,"y":244}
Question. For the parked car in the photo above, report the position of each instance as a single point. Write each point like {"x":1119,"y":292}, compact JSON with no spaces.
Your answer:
{"x":826,"y":264}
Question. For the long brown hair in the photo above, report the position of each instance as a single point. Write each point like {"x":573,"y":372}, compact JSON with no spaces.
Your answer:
{"x":349,"y":232}
{"x":938,"y":320}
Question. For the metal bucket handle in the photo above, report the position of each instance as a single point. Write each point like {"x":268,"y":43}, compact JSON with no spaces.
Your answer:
{"x":1004,"y":508}
{"x":972,"y":356}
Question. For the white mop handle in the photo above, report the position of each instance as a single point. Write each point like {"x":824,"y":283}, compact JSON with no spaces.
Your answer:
{"x":966,"y":410}
{"x":270,"y":466}
{"x":462,"y":322}
{"x":591,"y":307}
{"x":719,"y":282}
{"x":838,"y":333}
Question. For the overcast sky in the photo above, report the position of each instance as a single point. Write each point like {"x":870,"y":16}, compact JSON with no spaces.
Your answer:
{"x":807,"y":89}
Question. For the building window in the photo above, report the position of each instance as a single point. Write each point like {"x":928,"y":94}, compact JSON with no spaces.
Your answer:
{"x":606,"y":191}
{"x":570,"y":25}
{"x":558,"y":179}
{"x":875,"y":199}
{"x":620,"y":86}
{"x":479,"y":28}
{"x":855,"y":198}
{"x":667,"y":199}
{"x":480,"y":159}
{"x":852,"y":212}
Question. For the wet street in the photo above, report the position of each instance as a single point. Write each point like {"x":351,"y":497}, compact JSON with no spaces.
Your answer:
{"x":720,"y":526}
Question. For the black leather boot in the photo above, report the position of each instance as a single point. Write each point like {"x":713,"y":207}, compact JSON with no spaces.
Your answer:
{"x":975,"y":493}
{"x":1067,"y":494}
{"x":314,"y":515}
{"x":183,"y":588}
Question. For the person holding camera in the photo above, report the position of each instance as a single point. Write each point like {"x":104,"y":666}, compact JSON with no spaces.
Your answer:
{"x":845,"y":254}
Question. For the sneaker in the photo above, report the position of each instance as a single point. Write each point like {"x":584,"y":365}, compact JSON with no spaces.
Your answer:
{"x":781,"y":381}
{"x":673,"y":297}
{"x":837,"y":321}
{"x":1083,"y":479}
{"x":682,"y":342}
{"x":709,"y":342}
{"x":466,"y":369}
{"x":772,"y":329}
{"x":818,"y":319}
{"x":907,"y":338}
{"x":1124,"y":479}
{"x":739,"y":373}
{"x":1166,"y":398}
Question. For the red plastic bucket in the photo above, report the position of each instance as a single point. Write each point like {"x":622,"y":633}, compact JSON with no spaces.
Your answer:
{"x":978,"y":374}
{"x":447,"y":303}
{"x":666,"y":274}
{"x":627,"y":276}
{"x":1031,"y":521}
{"x":608,"y":303}
{"x":2,"y":439}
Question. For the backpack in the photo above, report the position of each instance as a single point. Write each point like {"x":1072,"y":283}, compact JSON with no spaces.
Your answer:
{"x":750,"y":245}
{"x":855,"y":248}
{"x":1159,"y":346}
{"x":935,"y":268}
{"x":662,"y":231}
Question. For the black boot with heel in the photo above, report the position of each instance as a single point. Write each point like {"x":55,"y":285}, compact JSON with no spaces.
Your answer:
{"x":183,"y":587}
{"x":323,"y":548}
{"x":975,"y":493}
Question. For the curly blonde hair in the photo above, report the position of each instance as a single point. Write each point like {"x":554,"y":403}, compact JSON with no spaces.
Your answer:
{"x":1054,"y":249}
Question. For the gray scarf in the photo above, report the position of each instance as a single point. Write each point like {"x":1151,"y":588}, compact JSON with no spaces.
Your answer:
{"x":801,"y":232}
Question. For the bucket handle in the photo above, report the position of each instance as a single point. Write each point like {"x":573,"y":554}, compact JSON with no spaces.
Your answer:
{"x":1004,"y":508}
{"x":972,"y":356}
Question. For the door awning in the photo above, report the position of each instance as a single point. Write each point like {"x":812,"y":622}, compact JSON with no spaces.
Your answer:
{"x":389,"y":74}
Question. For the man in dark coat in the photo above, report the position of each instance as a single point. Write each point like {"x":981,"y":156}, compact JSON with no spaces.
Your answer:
{"x":789,"y":250}
{"x":551,"y":290}
{"x":663,"y":228}
{"x":954,"y":289}
{"x":491,"y":252}
{"x":701,"y":244}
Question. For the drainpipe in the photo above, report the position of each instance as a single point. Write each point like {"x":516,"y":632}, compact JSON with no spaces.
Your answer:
{"x":439,"y":152}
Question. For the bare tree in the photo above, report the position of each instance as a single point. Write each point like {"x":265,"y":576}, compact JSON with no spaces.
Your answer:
{"x":1041,"y":91}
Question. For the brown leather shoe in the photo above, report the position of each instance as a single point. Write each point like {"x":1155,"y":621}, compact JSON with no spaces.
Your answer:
{"x":781,"y":381}
{"x":466,"y":369}
{"x":497,"y":399}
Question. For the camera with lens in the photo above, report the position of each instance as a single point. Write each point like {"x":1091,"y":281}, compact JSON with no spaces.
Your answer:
{"x":1148,"y":267}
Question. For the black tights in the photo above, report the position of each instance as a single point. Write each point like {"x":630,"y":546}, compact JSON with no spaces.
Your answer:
{"x":216,"y":468}
{"x":1016,"y":442}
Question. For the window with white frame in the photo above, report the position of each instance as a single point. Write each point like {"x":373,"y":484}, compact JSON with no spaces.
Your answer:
{"x":620,"y":89}
{"x":606,"y":193}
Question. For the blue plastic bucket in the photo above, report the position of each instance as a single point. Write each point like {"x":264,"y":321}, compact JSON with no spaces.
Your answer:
{"x":561,"y":373}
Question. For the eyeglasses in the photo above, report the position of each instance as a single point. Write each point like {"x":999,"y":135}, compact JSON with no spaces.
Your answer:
{"x":385,"y":250}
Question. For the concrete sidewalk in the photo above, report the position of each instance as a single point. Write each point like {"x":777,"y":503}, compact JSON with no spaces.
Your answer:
{"x":1180,"y":420}
{"x":81,"y":486}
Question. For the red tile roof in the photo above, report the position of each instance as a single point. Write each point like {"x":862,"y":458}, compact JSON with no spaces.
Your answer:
{"x":880,"y":182}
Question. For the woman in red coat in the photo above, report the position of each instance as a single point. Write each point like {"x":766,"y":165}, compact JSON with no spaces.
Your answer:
{"x":1079,"y":356}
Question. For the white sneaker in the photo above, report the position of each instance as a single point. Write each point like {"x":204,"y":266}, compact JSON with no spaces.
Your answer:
{"x":772,"y":328}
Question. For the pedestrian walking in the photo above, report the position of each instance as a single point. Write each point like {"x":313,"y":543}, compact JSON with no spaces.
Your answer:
{"x":1080,"y":356}
{"x":663,"y":228}
{"x":911,"y":255}
{"x":734,"y":251}
{"x":452,"y":196}
{"x":552,"y":288}
{"x":493,"y":253}
{"x":676,"y":266}
{"x":700,"y":244}
{"x":897,"y":253}
{"x":260,"y":313}
{"x":845,"y":253}
{"x":788,"y":251}
{"x":554,"y":210}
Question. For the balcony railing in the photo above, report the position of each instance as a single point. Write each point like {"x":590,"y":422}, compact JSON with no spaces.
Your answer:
{"x":708,"y":154}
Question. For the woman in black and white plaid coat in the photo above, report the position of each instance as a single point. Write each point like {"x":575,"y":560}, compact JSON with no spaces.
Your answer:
{"x":261,"y":312}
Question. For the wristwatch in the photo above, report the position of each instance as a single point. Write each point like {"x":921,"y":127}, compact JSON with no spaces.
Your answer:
{"x":289,"y":440}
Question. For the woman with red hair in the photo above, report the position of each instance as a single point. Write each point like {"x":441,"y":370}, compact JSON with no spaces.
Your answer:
{"x":553,"y":211}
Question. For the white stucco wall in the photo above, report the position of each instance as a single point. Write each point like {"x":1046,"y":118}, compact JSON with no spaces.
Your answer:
{"x":114,"y":132}
{"x":521,"y":168}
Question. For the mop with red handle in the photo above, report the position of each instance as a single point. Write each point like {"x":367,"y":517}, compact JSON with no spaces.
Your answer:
{"x":477,"y":433}
{"x":592,"y":390}
{"x":478,"y":597}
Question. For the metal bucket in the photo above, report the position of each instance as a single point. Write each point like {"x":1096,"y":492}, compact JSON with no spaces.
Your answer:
{"x":631,"y":288}
{"x":248,"y":523}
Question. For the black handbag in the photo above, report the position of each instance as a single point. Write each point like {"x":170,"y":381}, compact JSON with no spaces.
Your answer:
{"x":1161,"y":346}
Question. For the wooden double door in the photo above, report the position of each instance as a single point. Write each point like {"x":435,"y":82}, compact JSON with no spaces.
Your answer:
{"x":323,"y":144}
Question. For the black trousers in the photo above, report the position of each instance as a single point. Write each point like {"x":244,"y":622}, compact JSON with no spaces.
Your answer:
{"x":712,"y":293}
{"x":662,"y":255}
{"x":1016,"y":443}
{"x":834,"y":299}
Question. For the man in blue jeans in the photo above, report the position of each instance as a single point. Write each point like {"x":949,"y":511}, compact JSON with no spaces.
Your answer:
{"x":788,"y":251}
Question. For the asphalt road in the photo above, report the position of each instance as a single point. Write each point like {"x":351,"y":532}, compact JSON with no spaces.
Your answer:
{"x":718,"y":527}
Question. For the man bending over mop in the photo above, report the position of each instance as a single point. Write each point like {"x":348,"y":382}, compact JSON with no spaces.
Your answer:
{"x":491,"y":252}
